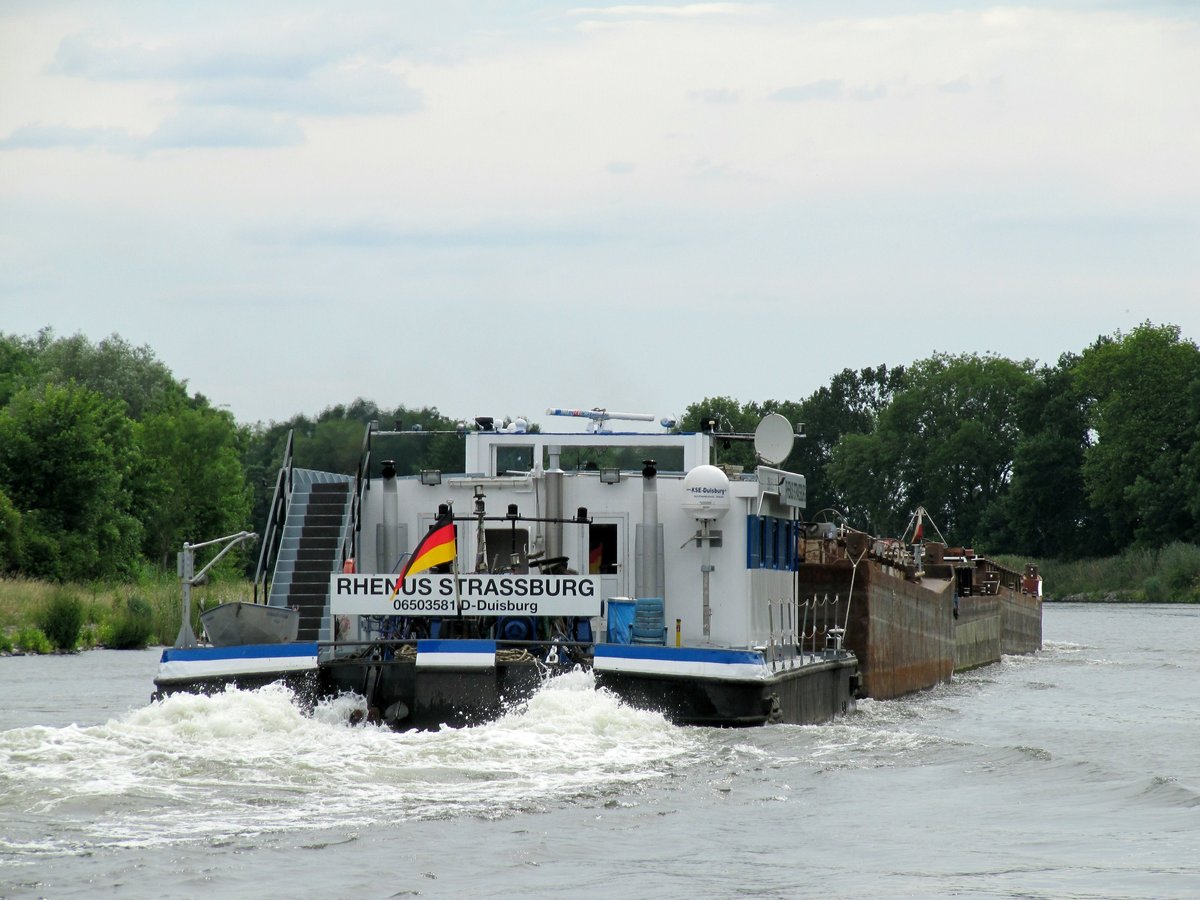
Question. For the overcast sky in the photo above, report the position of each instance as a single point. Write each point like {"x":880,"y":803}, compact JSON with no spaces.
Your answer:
{"x":632,"y":206}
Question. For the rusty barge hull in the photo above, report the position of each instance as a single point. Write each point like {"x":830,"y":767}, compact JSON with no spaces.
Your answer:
{"x":901,"y":631}
{"x":1021,"y":614}
{"x":912,"y":629}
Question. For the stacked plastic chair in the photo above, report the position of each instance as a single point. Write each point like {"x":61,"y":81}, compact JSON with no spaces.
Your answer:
{"x":649,"y":625}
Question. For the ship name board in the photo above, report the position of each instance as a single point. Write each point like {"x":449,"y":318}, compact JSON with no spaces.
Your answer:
{"x":477,"y":595}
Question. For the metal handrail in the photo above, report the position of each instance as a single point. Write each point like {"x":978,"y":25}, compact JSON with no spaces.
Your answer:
{"x":810,"y":628}
{"x":276,"y":518}
{"x":362,"y":483}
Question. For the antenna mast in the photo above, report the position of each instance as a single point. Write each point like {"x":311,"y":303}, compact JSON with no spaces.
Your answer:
{"x":599,"y":417}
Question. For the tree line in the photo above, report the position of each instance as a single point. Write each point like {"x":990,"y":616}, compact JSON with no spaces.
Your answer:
{"x":108,"y":464}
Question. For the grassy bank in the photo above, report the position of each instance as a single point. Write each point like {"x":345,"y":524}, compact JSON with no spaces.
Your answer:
{"x":1169,"y":575}
{"x":41,"y":617}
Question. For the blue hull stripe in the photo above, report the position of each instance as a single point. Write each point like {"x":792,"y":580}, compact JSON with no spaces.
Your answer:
{"x":678,"y":654}
{"x":248,"y":651}
{"x":680,"y":662}
{"x":233,"y":662}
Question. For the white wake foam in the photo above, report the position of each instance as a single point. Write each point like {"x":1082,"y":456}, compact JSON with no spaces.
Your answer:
{"x":250,"y":762}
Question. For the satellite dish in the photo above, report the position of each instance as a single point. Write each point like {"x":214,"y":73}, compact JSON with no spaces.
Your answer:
{"x":773,"y":439}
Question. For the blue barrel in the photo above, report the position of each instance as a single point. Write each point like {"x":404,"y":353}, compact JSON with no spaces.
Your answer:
{"x":620,"y":620}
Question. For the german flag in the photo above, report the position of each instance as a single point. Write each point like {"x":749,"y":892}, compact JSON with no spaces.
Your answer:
{"x":435,"y":548}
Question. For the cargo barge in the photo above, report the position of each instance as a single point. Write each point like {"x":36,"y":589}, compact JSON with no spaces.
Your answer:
{"x":919,"y":612}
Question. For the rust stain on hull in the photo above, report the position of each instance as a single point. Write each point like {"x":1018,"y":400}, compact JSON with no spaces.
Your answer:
{"x":901,"y":631}
{"x":904,"y":628}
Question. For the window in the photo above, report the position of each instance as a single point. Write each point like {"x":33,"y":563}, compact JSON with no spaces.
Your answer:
{"x":627,"y":459}
{"x":513,"y":459}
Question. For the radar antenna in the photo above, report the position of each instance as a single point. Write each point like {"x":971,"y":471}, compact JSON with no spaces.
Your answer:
{"x":599,"y":417}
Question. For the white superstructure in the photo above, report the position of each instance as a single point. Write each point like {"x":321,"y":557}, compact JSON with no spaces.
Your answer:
{"x":613,"y":509}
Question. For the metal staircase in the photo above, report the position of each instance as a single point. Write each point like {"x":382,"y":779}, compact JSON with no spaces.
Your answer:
{"x":310,"y":548}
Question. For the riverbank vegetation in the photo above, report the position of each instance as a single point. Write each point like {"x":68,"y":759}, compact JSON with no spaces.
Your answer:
{"x":39,"y":616}
{"x":1169,"y":574}
{"x":1089,"y":464}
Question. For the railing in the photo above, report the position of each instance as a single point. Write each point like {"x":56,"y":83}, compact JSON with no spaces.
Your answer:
{"x":783,"y":647}
{"x":820,"y":616}
{"x":362,"y":484}
{"x":798,"y":622}
{"x":273,"y":531}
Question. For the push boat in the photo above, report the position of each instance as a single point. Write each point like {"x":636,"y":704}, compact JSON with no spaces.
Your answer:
{"x":446,"y":599}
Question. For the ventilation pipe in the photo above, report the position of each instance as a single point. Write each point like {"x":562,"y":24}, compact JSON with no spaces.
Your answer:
{"x":554,"y":505}
{"x":647,"y":581}
{"x":386,"y":538}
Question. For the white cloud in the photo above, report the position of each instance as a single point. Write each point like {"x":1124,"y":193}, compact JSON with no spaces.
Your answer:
{"x":280,"y":48}
{"x":205,"y":90}
{"x":1010,"y":164}
{"x":125,"y":57}
{"x":39,"y":136}
{"x":332,"y":90}
{"x":223,"y":128}
{"x":1012,"y":93}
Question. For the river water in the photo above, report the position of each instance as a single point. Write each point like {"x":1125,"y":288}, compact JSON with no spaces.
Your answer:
{"x":1072,"y":773}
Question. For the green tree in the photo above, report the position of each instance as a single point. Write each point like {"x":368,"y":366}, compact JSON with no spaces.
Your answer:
{"x":866,"y":473}
{"x":17,"y":365}
{"x":333,"y":442}
{"x":1046,"y":512}
{"x":1190,"y":470}
{"x":262,"y":455}
{"x":1138,"y":468}
{"x":850,"y":404}
{"x":67,"y":456}
{"x":945,"y":442}
{"x":112,"y":367}
{"x":11,"y":544}
{"x":192,"y":485}
{"x":333,"y":446}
